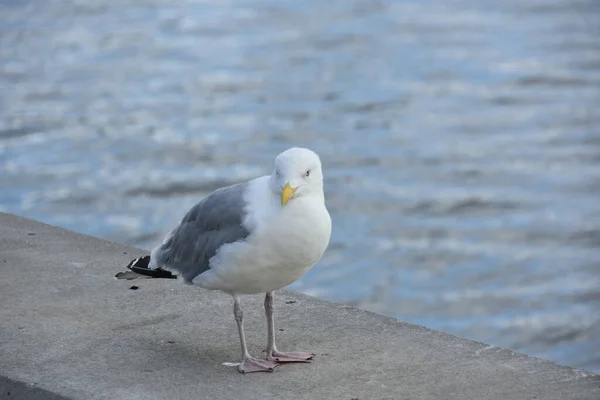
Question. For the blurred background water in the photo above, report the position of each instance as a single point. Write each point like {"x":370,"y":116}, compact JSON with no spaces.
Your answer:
{"x":460,"y":139}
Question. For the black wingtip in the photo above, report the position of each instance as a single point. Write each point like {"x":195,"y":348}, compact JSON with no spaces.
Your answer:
{"x":140,"y":266}
{"x":139,"y":262}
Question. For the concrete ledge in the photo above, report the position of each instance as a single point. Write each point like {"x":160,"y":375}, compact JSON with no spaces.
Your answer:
{"x":21,"y":391}
{"x":69,"y":328}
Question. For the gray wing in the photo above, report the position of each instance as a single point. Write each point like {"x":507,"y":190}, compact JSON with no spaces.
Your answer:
{"x":213,"y":222}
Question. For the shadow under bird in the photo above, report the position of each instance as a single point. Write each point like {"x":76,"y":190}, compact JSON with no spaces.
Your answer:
{"x":253,"y":237}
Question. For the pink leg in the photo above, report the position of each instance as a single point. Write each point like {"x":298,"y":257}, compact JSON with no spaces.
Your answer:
{"x":249,"y":364}
{"x":272,"y":353}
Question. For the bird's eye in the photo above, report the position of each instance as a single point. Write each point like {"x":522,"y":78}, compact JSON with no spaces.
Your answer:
{"x":307,"y":173}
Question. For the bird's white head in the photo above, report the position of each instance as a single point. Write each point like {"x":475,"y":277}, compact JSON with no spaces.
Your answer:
{"x":297,"y":172}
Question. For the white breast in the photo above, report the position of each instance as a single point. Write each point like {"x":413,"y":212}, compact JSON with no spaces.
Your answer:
{"x":285,"y":243}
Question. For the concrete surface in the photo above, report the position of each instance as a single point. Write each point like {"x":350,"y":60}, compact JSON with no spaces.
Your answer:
{"x":15,"y":390}
{"x":69,"y":328}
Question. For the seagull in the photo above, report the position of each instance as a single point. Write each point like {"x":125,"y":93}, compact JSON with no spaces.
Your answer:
{"x":252,"y":237}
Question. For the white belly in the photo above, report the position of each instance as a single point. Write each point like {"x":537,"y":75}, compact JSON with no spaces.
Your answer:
{"x":275,"y":256}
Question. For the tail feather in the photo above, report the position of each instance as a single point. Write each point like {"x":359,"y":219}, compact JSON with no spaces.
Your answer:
{"x":140,"y":266}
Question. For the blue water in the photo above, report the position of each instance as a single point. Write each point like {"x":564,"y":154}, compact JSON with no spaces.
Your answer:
{"x":460,"y":141}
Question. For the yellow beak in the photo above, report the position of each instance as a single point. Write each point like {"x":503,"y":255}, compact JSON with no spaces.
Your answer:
{"x":287,"y":193}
